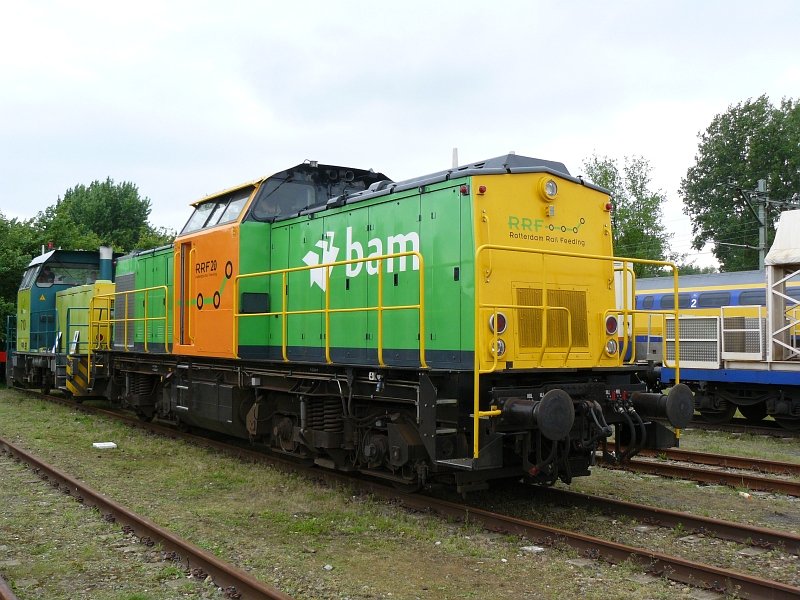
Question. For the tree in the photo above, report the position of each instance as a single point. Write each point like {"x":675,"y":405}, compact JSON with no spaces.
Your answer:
{"x":104,"y":213}
{"x":16,"y":250}
{"x":752,"y":140}
{"x":637,"y":216}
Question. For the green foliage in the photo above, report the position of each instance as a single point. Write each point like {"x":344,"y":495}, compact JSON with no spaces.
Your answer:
{"x":637,"y":216}
{"x":690,"y":269}
{"x":16,"y":250}
{"x":752,"y":140}
{"x":104,"y":213}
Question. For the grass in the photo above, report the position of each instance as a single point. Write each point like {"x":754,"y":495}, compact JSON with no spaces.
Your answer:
{"x":752,"y":446}
{"x":285,"y":529}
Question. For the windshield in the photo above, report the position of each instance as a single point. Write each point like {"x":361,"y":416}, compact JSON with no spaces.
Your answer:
{"x":307,"y":186}
{"x":55,"y":273}
{"x":217,"y":211}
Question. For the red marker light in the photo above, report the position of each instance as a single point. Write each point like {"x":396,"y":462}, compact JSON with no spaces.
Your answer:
{"x":611,"y":325}
{"x":482,"y":189}
{"x":500,"y":322}
{"x":465,"y":190}
{"x":609,"y":206}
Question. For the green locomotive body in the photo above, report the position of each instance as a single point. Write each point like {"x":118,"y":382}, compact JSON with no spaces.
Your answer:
{"x":460,"y":327}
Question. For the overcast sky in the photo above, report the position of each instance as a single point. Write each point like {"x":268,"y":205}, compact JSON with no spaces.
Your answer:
{"x":188,"y":98}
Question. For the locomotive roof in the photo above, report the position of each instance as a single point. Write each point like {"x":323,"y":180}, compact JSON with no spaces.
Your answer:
{"x":64,"y":255}
{"x":499,"y":165}
{"x":382,"y":185}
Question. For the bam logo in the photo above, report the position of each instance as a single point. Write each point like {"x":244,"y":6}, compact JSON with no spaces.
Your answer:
{"x":394,"y":244}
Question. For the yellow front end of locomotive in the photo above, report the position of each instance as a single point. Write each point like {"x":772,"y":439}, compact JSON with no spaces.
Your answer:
{"x":544,"y":273}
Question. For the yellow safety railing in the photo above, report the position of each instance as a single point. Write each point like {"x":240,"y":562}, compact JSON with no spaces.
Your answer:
{"x":327,"y":311}
{"x":482,"y":279}
{"x":72,"y":328}
{"x":190,"y":284}
{"x":108,"y":303}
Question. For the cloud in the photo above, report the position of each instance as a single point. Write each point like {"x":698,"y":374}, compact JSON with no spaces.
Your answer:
{"x":186,"y":98}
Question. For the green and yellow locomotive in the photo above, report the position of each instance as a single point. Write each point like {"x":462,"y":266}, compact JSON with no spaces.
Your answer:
{"x":458,"y":327}
{"x":51,"y":327}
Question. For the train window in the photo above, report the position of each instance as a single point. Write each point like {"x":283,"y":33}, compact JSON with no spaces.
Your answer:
{"x":235,"y":206}
{"x":219,"y":211}
{"x":199,"y":217}
{"x":27,"y":280}
{"x":46,"y":277}
{"x":648,"y":302}
{"x":283,"y":197}
{"x":713,"y":299}
{"x":753,"y":298}
{"x":66,"y":274}
{"x":668,"y":301}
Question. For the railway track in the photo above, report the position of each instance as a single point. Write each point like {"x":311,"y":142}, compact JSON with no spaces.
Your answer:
{"x":237,"y":583}
{"x":726,"y":530}
{"x":672,"y":567}
{"x":736,"y":479}
{"x":5,"y":591}
{"x":760,"y":465}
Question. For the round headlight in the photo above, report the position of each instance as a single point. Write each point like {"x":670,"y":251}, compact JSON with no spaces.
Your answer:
{"x":549,"y":189}
{"x":501,"y":348}
{"x":611,"y":347}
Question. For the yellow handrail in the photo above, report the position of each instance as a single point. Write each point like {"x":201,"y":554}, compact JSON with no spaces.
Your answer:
{"x":493,"y":411}
{"x":327,"y":311}
{"x":626,"y":270}
{"x":112,"y":301}
{"x":189,"y":319}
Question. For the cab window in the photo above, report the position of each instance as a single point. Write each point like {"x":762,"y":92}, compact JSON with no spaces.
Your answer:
{"x":283,"y":197}
{"x":218,"y":211}
{"x":28,"y":278}
{"x":56,"y":273}
{"x":199,"y":217}
{"x":234,"y":208}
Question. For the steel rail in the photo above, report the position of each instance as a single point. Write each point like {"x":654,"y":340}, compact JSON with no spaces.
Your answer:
{"x":5,"y":591}
{"x":673,"y":568}
{"x":719,"y":460}
{"x":727,"y":530}
{"x":737,"y":480}
{"x":225,"y":575}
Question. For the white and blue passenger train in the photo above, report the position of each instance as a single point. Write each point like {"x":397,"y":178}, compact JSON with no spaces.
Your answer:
{"x":739,"y":334}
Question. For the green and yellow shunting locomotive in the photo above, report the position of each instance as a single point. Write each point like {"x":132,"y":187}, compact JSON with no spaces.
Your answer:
{"x":460,"y":327}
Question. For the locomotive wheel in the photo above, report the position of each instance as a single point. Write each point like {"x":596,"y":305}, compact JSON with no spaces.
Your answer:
{"x":788,"y":424}
{"x":754,"y":412}
{"x":717,"y":417}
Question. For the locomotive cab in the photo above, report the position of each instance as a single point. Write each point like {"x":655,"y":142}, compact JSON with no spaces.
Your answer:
{"x":41,"y":341}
